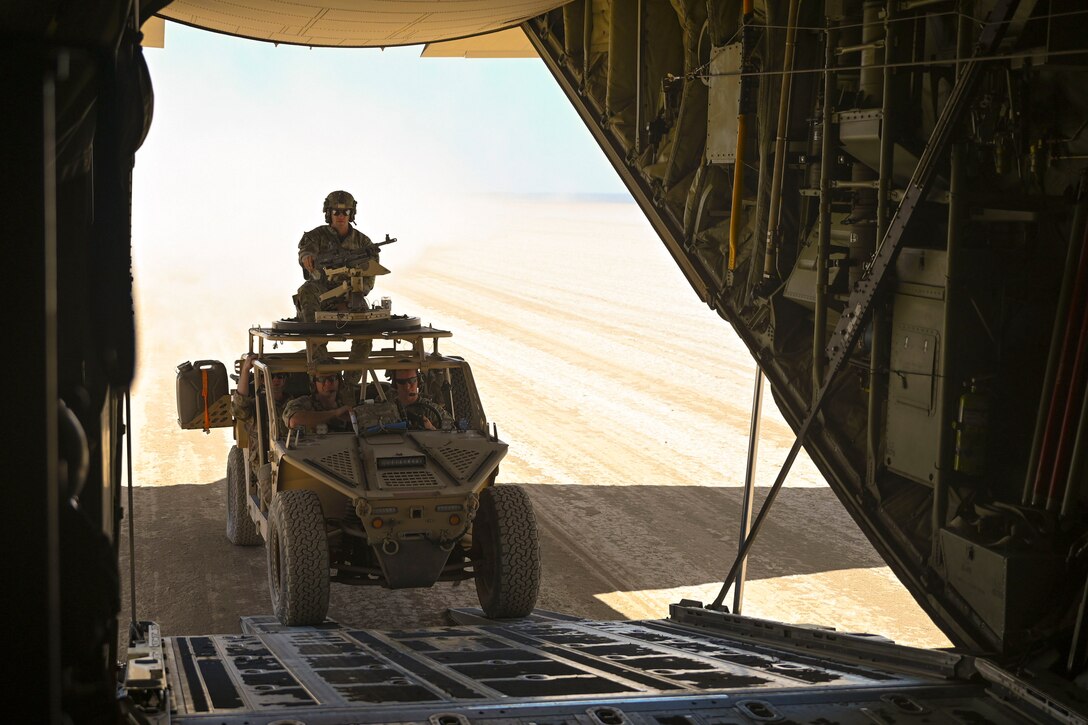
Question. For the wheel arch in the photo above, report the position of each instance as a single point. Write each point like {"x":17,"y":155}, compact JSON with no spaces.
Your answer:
{"x":290,"y":476}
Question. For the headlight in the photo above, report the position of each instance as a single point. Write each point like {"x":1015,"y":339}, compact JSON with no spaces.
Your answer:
{"x":402,"y":462}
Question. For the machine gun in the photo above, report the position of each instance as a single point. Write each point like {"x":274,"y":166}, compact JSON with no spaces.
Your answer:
{"x":350,"y":267}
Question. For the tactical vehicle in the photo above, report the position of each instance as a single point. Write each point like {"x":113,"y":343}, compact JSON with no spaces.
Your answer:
{"x":388,"y":501}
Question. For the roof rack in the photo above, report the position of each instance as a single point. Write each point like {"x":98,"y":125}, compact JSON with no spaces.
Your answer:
{"x":316,"y":338}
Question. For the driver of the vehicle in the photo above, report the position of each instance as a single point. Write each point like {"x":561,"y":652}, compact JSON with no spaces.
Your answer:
{"x":417,"y":409}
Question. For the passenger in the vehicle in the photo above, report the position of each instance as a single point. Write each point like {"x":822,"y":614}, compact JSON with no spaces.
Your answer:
{"x":419,"y":410}
{"x":243,"y":405}
{"x":329,"y":404}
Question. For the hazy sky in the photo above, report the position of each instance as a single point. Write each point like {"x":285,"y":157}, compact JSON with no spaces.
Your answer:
{"x":240,"y":124}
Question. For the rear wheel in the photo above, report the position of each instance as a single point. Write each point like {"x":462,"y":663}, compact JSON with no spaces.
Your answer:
{"x":506,"y":552}
{"x":298,"y":558}
{"x":241,"y":531}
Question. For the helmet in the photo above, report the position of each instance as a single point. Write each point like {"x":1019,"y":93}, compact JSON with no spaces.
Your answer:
{"x":339,"y":200}
{"x":391,"y":373}
{"x":326,"y":360}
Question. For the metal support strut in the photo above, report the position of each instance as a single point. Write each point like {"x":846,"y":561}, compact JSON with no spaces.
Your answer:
{"x":860,"y":305}
{"x":749,"y":485}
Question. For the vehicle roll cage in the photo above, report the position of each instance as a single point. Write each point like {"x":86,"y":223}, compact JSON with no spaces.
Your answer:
{"x":388,"y":350}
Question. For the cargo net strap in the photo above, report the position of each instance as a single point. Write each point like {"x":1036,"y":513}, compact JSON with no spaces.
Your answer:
{"x":216,"y":414}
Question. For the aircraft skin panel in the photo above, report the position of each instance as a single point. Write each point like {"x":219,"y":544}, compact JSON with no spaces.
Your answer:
{"x":354,"y":23}
{"x":510,"y":43}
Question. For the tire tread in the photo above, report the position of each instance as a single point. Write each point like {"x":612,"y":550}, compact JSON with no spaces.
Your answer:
{"x":297,"y":530}
{"x":517,"y":548}
{"x":241,"y":530}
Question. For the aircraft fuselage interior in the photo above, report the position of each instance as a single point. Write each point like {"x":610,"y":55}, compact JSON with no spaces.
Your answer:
{"x":887,"y":200}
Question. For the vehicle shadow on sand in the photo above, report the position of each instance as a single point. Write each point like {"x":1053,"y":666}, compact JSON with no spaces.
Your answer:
{"x":595,"y":540}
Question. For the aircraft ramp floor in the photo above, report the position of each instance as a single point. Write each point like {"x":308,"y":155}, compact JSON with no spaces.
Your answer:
{"x":697,"y":666}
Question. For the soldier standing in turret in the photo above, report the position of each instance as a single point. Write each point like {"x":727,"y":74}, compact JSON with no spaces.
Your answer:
{"x":337,"y":233}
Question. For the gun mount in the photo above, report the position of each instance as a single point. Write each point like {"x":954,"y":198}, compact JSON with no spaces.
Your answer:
{"x":351,"y":268}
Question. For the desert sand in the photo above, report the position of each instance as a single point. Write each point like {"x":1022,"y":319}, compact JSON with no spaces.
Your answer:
{"x":624,"y":399}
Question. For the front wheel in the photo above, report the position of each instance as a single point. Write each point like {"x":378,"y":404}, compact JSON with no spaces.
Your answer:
{"x":241,"y":531}
{"x":506,"y":552}
{"x":298,"y":558}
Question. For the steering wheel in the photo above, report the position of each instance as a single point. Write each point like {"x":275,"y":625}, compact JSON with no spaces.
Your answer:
{"x":421,"y":410}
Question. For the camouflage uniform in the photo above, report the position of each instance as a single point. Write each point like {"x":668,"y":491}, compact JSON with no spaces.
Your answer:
{"x":245,"y":408}
{"x":311,"y":402}
{"x":317,"y":241}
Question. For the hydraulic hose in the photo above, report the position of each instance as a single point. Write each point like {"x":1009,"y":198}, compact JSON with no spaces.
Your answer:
{"x":738,"y":193}
{"x":1080,"y":217}
{"x":1066,"y":429}
{"x":770,"y":259}
{"x":1076,"y":459}
{"x":1061,"y":377}
{"x":819,"y":327}
{"x":735,"y":209}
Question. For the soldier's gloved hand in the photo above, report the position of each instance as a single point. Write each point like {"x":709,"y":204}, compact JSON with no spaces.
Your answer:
{"x":308,"y":263}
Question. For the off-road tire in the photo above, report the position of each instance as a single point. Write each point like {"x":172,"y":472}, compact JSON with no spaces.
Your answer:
{"x":506,"y":553}
{"x":298,"y":558}
{"x":241,"y":531}
{"x":462,"y":402}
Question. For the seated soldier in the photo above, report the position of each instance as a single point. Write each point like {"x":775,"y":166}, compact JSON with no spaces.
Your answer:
{"x":329,"y":404}
{"x":418,"y":410}
{"x":243,"y":405}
